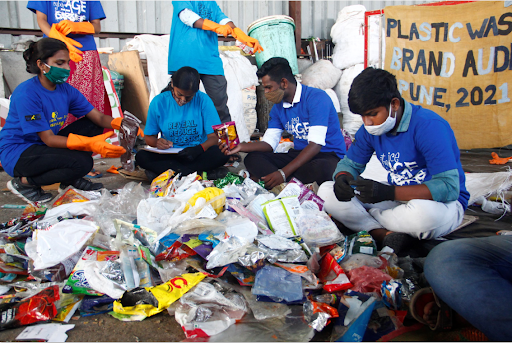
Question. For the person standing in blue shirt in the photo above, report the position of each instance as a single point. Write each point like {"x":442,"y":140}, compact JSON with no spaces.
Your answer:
{"x":305,"y":112}
{"x":425,"y":197}
{"x":183,"y":116}
{"x":194,"y":43}
{"x":33,"y":148}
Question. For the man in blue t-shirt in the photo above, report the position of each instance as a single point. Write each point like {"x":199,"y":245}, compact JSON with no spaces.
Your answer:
{"x":425,"y":197}
{"x":306,"y":113}
{"x":194,"y":43}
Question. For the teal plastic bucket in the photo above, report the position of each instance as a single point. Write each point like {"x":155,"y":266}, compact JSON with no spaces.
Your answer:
{"x":276,"y":36}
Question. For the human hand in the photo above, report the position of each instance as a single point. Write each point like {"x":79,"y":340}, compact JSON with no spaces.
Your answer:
{"x":370,"y":192}
{"x":116,"y":125}
{"x":273,"y":179}
{"x":249,"y":41}
{"x":95,"y":144}
{"x":224,"y":148}
{"x":342,"y":189}
{"x":67,"y":27}
{"x":74,"y":53}
{"x":163,"y":144}
{"x":224,"y":30}
{"x":191,"y":153}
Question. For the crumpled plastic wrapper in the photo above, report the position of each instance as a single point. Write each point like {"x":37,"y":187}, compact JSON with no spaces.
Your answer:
{"x":227,"y":251}
{"x":318,"y":320}
{"x":127,"y":137}
{"x":281,"y":249}
{"x":113,"y":271}
{"x":254,"y":260}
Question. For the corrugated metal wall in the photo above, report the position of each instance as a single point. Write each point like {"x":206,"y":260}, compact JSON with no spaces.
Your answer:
{"x":156,"y":16}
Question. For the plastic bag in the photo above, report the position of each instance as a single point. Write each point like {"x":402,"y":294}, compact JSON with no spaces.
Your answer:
{"x":367,"y":279}
{"x":227,"y":251}
{"x":122,"y":206}
{"x":278,"y":283}
{"x":358,"y":260}
{"x":317,"y":314}
{"x":317,"y":228}
{"x":159,"y":213}
{"x":332,"y":275}
{"x":39,"y":307}
{"x":59,"y":242}
{"x":354,"y":312}
{"x":127,"y":137}
{"x":281,"y":249}
{"x":280,"y":214}
{"x":145,"y":302}
{"x":209,"y":309}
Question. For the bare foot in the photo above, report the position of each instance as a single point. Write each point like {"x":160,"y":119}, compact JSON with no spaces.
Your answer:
{"x":430,"y":313}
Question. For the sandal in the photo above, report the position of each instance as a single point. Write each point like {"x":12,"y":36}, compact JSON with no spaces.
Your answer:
{"x":96,"y":175}
{"x":417,"y":309}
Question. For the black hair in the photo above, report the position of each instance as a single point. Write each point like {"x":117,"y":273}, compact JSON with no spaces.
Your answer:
{"x":372,"y":88}
{"x":185,"y":78}
{"x":41,"y":50}
{"x":277,"y":68}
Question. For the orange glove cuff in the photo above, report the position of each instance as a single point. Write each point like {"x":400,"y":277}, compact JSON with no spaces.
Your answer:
{"x":116,"y":123}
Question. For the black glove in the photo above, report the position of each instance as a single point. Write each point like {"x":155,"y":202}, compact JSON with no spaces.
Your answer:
{"x":191,"y":153}
{"x":342,"y":188}
{"x":370,"y":192}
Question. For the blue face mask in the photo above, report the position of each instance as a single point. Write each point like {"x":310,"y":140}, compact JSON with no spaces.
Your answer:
{"x":56,"y":75}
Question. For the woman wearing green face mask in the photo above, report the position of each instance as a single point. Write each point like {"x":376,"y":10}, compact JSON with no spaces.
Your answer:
{"x":32,"y":149}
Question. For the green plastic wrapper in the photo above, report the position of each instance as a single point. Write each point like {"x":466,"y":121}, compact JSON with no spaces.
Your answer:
{"x":229,"y":179}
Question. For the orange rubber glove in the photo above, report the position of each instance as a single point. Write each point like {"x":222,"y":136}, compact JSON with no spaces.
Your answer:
{"x":116,"y":125}
{"x":83,"y":28}
{"x":224,"y":30}
{"x":74,"y":53}
{"x":95,"y":144}
{"x":242,"y":37}
{"x":498,"y":160}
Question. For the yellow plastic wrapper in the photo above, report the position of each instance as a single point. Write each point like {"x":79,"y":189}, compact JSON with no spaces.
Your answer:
{"x":161,"y":185}
{"x":208,"y":194}
{"x":149,"y":301}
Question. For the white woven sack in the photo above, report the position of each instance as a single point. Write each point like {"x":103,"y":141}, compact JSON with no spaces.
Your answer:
{"x":322,"y":74}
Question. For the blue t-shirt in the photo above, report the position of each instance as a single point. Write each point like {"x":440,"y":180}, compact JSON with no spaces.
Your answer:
{"x":34,"y":109}
{"x":186,"y":125}
{"x":315,"y":108}
{"x":193,"y":47}
{"x":76,"y":11}
{"x":428,"y":147}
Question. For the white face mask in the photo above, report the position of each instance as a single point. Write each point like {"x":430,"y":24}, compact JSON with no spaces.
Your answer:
{"x":383,"y":128}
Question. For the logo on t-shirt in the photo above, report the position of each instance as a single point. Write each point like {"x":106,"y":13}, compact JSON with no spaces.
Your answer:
{"x":56,"y":119}
{"x":204,"y":12}
{"x":72,"y":10}
{"x":33,"y":117}
{"x":297,"y":128}
{"x":402,"y":173}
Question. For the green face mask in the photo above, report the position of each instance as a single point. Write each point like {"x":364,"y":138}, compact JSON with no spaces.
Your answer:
{"x":56,"y":75}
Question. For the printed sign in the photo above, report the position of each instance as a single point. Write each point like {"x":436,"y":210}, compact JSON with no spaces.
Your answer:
{"x":457,"y":61}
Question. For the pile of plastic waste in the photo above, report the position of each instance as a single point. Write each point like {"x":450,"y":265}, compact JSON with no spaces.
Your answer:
{"x":215,"y":254}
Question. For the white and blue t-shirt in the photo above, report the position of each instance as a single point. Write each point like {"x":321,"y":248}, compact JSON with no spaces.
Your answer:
{"x":193,"y":47}
{"x":75,"y":11}
{"x":34,"y":109}
{"x":424,"y":146}
{"x":311,"y":107}
{"x":186,"y":125}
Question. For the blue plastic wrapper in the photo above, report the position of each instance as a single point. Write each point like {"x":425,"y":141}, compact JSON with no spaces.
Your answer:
{"x":392,"y":294}
{"x":353,"y":320}
{"x":92,"y":305}
{"x":278,"y":283}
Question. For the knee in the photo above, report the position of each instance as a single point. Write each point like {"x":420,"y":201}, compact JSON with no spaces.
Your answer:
{"x":441,"y":257}
{"x":254,"y":160}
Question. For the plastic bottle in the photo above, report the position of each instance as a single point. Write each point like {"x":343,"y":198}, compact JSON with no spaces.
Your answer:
{"x":327,"y":298}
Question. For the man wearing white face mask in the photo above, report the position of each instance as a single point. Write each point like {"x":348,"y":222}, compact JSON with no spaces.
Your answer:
{"x":305,"y":112}
{"x":425,"y":197}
